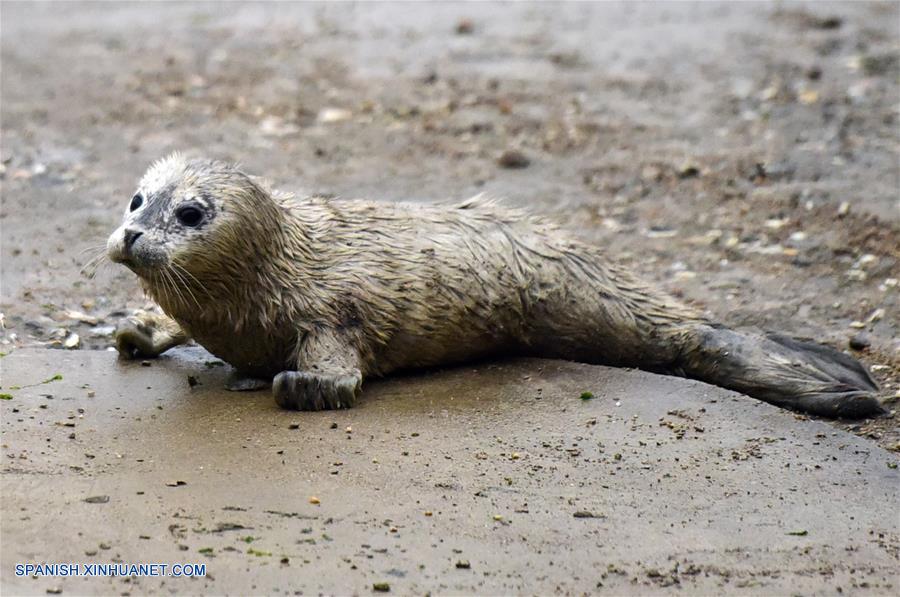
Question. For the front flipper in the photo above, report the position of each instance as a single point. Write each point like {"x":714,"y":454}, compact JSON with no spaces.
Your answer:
{"x":328,"y":374}
{"x":794,"y":374}
{"x":147,"y":335}
{"x":301,"y":390}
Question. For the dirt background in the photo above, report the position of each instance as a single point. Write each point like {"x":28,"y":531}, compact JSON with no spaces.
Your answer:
{"x":742,"y":155}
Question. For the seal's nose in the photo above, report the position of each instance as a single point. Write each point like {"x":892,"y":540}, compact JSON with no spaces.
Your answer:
{"x":130,"y":237}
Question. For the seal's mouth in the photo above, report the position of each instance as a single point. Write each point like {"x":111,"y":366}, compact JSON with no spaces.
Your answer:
{"x":127,"y":262}
{"x":135,"y":251}
{"x":141,"y":265}
{"x":124,"y":257}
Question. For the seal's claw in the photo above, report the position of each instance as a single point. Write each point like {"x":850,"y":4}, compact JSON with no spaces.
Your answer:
{"x":147,"y":335}
{"x":301,"y":390}
{"x":134,"y":340}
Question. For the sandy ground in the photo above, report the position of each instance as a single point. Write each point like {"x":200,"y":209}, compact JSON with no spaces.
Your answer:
{"x":498,"y":479}
{"x":743,"y":156}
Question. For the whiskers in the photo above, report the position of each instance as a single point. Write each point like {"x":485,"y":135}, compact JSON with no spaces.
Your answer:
{"x":96,"y":257}
{"x":170,"y":295}
{"x":172,"y":285}
{"x":187,"y":279}
{"x":176,"y":283}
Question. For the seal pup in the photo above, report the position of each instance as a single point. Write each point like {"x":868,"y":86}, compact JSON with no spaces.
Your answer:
{"x":315,"y":295}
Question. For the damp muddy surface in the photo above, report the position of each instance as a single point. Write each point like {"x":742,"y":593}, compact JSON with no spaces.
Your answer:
{"x":742,"y":156}
{"x":491,"y":479}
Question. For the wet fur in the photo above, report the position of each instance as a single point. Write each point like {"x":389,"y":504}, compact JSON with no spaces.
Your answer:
{"x":332,"y":288}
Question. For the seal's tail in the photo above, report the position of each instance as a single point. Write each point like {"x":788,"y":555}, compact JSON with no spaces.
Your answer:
{"x":790,"y":373}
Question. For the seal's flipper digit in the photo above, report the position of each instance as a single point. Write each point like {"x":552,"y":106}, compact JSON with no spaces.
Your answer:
{"x":834,"y":363}
{"x":328,"y":375}
{"x":300,"y":390}
{"x":791,"y":373}
{"x":134,"y":340}
{"x":849,"y":389}
{"x":147,"y":335}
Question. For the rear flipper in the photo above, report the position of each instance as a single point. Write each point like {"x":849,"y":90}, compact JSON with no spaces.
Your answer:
{"x":790,"y":373}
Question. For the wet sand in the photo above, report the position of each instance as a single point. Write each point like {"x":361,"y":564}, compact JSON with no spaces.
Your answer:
{"x":744,"y":156}
{"x":655,"y":485}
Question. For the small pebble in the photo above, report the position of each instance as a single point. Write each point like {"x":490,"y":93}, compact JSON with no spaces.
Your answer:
{"x":688,"y":170}
{"x":332,"y":115}
{"x":314,"y":500}
{"x":808,"y":97}
{"x":860,"y":341}
{"x":465,"y":27}
{"x":513,"y":159}
{"x":876,"y":315}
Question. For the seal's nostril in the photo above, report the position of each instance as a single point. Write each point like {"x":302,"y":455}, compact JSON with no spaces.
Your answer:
{"x":130,"y":237}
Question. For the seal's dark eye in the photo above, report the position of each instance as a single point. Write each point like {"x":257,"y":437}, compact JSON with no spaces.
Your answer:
{"x":189,"y":216}
{"x":136,"y":202}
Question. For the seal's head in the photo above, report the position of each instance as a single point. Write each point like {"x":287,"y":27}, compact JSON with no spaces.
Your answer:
{"x":185,"y":213}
